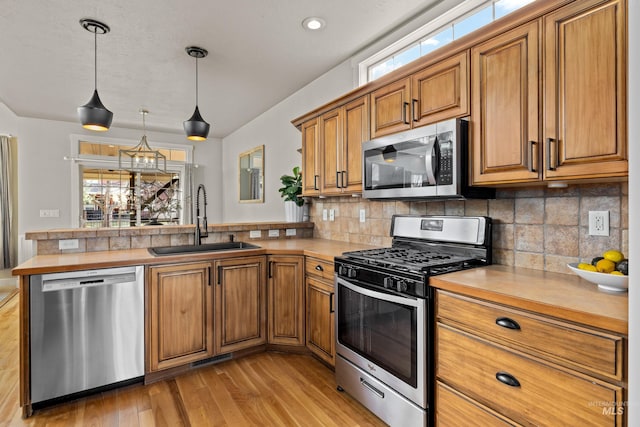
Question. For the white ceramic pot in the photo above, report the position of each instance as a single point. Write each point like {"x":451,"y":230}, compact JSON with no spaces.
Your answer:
{"x":293,"y":212}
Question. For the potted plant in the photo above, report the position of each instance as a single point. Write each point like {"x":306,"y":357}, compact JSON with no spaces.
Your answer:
{"x":291,"y":192}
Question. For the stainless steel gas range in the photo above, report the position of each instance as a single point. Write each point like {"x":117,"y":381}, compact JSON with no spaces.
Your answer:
{"x":384,"y":324}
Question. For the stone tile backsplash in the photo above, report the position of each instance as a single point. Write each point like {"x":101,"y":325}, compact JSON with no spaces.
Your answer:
{"x":536,"y":227}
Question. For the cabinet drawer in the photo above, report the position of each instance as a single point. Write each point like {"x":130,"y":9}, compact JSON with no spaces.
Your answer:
{"x":456,"y":409}
{"x":543,"y":394}
{"x":570,"y":345}
{"x":318,"y":267}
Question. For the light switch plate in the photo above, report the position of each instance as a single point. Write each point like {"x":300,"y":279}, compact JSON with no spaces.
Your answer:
{"x":324,"y":214}
{"x":49,"y":213}
{"x":274,"y":233}
{"x":255,"y":234}
{"x":332,"y":214}
{"x":290,"y":232}
{"x":363,"y":216}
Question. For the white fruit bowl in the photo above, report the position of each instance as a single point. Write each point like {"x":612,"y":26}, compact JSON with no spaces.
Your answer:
{"x":606,"y":282}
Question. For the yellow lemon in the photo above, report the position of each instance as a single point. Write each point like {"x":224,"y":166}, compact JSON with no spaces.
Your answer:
{"x":588,"y":267}
{"x":616,"y":273}
{"x":605,"y":266}
{"x":613,"y":255}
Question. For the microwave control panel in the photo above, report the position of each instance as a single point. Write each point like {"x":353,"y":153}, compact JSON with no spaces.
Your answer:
{"x":445,"y":167}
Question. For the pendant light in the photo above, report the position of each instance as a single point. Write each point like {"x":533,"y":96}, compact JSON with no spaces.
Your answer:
{"x":196,"y":128}
{"x":94,"y":115}
{"x":142,"y":158}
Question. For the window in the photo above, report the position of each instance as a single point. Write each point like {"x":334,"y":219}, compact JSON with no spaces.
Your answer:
{"x":467,"y":17}
{"x":109,"y":197}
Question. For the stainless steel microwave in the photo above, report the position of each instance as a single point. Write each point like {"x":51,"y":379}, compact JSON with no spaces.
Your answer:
{"x":427,"y":162}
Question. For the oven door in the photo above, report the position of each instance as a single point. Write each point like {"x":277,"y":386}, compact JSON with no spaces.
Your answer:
{"x":384,"y":335}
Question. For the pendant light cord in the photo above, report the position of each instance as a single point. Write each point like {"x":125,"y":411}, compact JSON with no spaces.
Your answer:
{"x":95,"y":58}
{"x":196,"y":81}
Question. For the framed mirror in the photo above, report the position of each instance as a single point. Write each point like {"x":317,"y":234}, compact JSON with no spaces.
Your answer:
{"x":251,"y":176}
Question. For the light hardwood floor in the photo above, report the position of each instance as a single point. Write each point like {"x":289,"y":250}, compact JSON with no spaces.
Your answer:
{"x":266,"y":389}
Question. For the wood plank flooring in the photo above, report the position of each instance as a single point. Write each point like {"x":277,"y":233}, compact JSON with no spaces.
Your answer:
{"x":266,"y":389}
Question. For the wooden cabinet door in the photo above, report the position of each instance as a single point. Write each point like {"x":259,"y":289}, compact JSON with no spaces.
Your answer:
{"x":180,"y":315}
{"x":286,"y":300}
{"x":310,"y":157}
{"x":504,"y":112}
{"x":356,"y":131}
{"x":390,"y":108}
{"x":441,"y":91}
{"x":240,"y":303}
{"x":585,"y":116}
{"x":331,"y":156}
{"x":320,"y":319}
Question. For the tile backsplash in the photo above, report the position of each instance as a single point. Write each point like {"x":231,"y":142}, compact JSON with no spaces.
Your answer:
{"x":540,"y":228}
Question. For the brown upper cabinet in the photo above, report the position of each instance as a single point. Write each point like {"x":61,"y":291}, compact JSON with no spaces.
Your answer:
{"x":342,"y":132}
{"x":310,"y":158}
{"x":504,"y":110}
{"x":438,"y":92}
{"x":567,"y":122}
{"x":585,"y":92}
{"x":545,"y":89}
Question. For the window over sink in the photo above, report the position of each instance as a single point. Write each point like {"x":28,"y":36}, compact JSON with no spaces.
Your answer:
{"x":106,"y":196}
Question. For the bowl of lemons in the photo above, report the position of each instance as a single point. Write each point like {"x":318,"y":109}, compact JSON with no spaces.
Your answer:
{"x":609,"y":271}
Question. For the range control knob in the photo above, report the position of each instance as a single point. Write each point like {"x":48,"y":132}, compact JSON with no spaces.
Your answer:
{"x":401,"y":286}
{"x":342,"y":270}
{"x":387,"y":282}
{"x":352,"y":273}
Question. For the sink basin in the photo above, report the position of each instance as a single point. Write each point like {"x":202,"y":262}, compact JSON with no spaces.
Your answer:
{"x":207,"y":247}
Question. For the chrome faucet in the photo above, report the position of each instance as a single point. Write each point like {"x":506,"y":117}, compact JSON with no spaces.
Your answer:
{"x":201,"y":233}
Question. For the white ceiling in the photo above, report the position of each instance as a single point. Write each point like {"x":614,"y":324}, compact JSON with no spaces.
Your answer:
{"x":258,"y":55}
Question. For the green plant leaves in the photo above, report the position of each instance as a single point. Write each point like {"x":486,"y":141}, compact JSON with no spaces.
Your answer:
{"x":292,"y":187}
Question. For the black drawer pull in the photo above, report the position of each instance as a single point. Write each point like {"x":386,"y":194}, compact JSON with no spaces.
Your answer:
{"x":319,"y":267}
{"x":507,"y":379}
{"x":505,"y":322}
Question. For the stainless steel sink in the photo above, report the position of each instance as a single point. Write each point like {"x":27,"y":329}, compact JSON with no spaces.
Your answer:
{"x":207,"y":247}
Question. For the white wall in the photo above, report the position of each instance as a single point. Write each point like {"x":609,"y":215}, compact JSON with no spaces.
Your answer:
{"x":281,"y":139}
{"x":273,"y":128}
{"x":44,"y":177}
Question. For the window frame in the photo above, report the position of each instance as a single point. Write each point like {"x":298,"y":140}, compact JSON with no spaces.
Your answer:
{"x":78,"y":161}
{"x":455,"y":15}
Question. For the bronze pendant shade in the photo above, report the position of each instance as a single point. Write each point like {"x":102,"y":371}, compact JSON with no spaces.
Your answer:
{"x":94,"y":115}
{"x":196,"y":128}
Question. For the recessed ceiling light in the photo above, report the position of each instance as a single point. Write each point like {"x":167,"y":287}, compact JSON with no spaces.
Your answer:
{"x":313,"y":23}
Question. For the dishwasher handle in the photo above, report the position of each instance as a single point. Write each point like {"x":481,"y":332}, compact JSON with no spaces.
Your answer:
{"x":54,"y":285}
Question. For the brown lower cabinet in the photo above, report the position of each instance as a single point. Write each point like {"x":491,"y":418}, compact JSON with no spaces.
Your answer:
{"x":180,"y":317}
{"x":499,"y":365}
{"x":286,"y":300}
{"x":320,"y":294}
{"x":240,"y":303}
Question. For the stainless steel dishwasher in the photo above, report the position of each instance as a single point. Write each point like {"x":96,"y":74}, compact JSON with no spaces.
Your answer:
{"x":86,"y":330}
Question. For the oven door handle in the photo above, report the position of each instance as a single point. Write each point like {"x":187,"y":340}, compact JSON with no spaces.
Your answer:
{"x":406,"y":300}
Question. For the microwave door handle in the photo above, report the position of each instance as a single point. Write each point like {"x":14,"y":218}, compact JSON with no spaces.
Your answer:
{"x":428,"y":160}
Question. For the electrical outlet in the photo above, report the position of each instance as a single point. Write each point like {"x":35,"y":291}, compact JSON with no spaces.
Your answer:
{"x":68,"y":244}
{"x":255,"y":234}
{"x":598,"y":223}
{"x":363,"y":216}
{"x":332,"y":214}
{"x":290,"y":232}
{"x":274,"y":233}
{"x":324,"y":214}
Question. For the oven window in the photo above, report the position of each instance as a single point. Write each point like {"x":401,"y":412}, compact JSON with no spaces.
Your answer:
{"x":381,"y":331}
